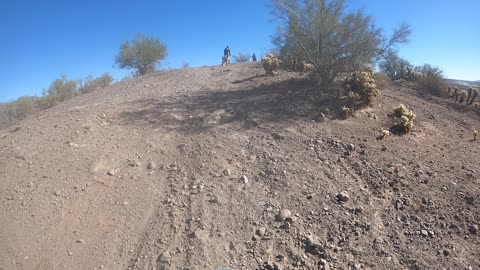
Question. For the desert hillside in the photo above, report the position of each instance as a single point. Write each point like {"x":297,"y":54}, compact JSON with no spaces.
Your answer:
{"x":224,"y":168}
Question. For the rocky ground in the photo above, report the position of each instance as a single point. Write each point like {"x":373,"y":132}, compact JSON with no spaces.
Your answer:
{"x":224,"y":168}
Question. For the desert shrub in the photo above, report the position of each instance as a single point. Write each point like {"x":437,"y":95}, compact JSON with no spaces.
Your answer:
{"x":90,"y":84}
{"x":241,"y":57}
{"x":362,"y":84}
{"x":24,"y":107}
{"x":406,"y":116}
{"x":105,"y":80}
{"x":430,"y":79}
{"x":60,"y":90}
{"x":334,"y":38}
{"x":381,"y":80}
{"x":141,"y":54}
{"x":270,"y":63}
{"x":394,"y":66}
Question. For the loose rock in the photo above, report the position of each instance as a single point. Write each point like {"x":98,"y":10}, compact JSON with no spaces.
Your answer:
{"x":244,"y":179}
{"x":261,"y":231}
{"x":473,"y":229}
{"x":343,"y":196}
{"x":470,"y":199}
{"x":284,"y":214}
{"x":151,"y":166}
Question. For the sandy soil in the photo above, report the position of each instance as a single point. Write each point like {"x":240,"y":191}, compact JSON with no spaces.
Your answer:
{"x":224,"y":168}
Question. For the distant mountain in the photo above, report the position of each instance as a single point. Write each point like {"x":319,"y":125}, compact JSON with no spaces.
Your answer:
{"x":464,"y":83}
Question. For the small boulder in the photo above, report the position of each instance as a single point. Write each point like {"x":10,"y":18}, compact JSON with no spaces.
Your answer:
{"x":244,"y":179}
{"x":151,"y":166}
{"x":343,"y":196}
{"x":284,"y":214}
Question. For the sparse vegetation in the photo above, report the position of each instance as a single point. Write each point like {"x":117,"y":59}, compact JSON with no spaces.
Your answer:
{"x":362,"y":85}
{"x":60,"y":90}
{"x":241,"y":57}
{"x":15,"y":111}
{"x":406,"y":116}
{"x":142,"y":54}
{"x":89,"y":84}
{"x":430,"y":79}
{"x":333,"y":40}
{"x":381,"y":80}
{"x":394,"y":66}
{"x":270,"y":63}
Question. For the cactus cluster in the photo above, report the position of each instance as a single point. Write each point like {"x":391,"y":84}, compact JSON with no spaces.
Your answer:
{"x":270,"y":64}
{"x":362,"y":84}
{"x":472,"y":95}
{"x":468,"y":96}
{"x":407,"y":117}
{"x":462,"y":96}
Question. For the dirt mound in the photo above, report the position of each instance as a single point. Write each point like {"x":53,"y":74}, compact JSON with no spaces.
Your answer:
{"x":224,"y":168}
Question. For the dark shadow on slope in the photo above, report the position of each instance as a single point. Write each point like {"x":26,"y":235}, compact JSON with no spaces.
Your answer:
{"x":248,"y":79}
{"x":293,"y":99}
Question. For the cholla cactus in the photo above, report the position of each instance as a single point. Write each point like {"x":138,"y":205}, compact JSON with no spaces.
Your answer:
{"x":472,"y":95}
{"x":407,"y":117}
{"x":346,"y":112}
{"x":385,"y":133}
{"x":363,"y":84}
{"x":475,"y":134}
{"x":270,"y":64}
{"x":462,"y":96}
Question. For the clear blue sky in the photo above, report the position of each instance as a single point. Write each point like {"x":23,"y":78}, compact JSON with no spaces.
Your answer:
{"x":44,"y":38}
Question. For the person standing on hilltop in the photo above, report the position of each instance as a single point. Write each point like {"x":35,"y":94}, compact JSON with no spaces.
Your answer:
{"x":226,"y":52}
{"x":226,"y":56}
{"x":254,"y":57}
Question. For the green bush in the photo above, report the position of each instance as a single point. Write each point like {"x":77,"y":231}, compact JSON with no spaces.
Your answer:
{"x":90,"y":84}
{"x":60,"y":90}
{"x":142,"y":54}
{"x":332,"y":37}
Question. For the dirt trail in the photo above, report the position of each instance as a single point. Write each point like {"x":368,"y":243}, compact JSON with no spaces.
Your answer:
{"x":189,"y":169}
